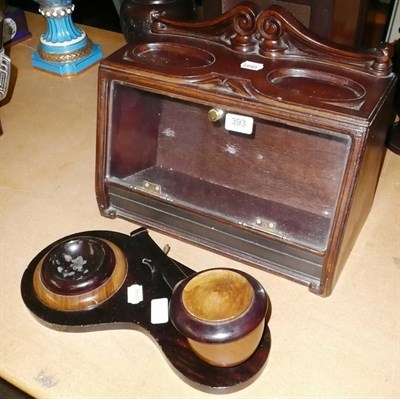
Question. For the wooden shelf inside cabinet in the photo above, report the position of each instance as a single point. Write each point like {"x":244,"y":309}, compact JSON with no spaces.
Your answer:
{"x":248,"y":135}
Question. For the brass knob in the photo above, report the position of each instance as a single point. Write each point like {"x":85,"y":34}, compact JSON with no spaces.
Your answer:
{"x":215,"y":114}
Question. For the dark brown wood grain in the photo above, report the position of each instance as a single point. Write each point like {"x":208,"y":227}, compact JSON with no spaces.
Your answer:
{"x":317,"y":15}
{"x":291,"y":196}
{"x":341,"y":21}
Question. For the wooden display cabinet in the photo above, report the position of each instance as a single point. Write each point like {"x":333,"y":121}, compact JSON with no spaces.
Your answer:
{"x":246,"y":135}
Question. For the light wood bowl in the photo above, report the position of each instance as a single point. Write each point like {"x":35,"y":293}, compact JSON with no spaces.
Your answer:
{"x":222,"y":314}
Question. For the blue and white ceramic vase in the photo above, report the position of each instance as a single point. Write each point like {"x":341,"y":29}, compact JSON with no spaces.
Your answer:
{"x":64,"y":49}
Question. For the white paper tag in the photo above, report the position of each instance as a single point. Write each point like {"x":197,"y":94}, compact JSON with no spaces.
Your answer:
{"x":135,"y":294}
{"x":159,"y":311}
{"x":253,"y":66}
{"x":239,"y":123}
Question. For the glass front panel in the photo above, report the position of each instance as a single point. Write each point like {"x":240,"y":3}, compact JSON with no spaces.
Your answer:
{"x":277,"y":180}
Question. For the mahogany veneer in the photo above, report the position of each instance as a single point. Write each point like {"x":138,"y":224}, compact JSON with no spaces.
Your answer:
{"x":292,"y":195}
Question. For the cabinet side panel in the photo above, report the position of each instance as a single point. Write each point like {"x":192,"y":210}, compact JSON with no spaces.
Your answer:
{"x":365,"y":185}
{"x":133,"y":130}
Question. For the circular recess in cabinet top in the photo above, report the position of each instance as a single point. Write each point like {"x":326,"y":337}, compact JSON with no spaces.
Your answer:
{"x":316,"y":84}
{"x":174,"y":55}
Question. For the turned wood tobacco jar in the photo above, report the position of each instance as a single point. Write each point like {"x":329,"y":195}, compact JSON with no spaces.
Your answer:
{"x":222,"y":314}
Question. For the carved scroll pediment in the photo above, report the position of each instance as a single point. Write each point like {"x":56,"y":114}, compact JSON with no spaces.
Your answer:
{"x":274,"y":32}
{"x":234,"y":28}
{"x":282,"y":33}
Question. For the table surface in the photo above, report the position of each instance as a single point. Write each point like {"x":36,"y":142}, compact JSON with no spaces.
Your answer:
{"x":343,"y":346}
